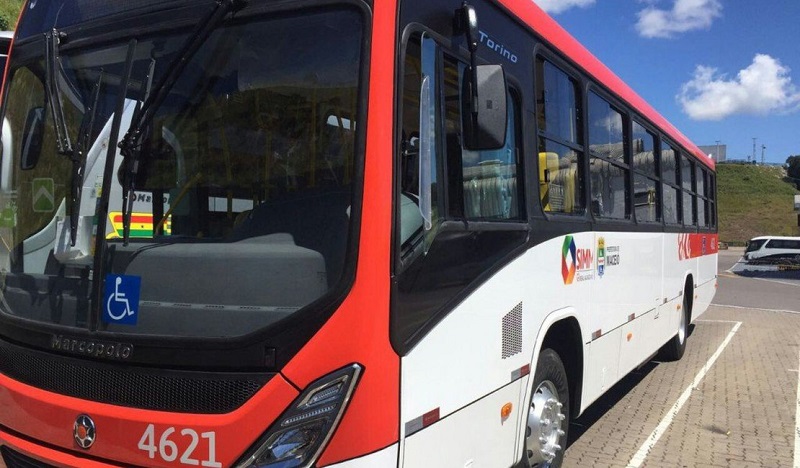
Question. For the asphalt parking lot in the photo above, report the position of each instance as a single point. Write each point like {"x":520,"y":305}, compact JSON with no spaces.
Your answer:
{"x":732,"y":401}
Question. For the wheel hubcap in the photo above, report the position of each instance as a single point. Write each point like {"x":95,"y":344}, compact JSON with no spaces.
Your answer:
{"x":544,"y":424}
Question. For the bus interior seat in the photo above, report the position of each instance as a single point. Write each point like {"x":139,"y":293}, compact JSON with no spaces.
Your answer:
{"x":489,"y":190}
{"x":548,"y":169}
{"x":558,"y":182}
{"x":318,"y":221}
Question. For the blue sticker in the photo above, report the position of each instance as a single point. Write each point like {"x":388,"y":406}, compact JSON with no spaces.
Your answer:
{"x":121,"y":299}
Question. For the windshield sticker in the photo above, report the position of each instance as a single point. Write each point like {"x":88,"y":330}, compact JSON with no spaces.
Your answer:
{"x":121,"y":299}
{"x":141,"y":225}
{"x":8,"y":216}
{"x":44,"y":195}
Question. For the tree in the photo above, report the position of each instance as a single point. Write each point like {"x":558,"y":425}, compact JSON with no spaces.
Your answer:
{"x":793,"y":169}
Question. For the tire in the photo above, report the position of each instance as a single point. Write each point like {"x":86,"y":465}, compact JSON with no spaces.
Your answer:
{"x":676,"y":346}
{"x":548,"y":413}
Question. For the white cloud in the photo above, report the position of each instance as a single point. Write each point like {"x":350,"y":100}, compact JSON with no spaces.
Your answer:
{"x":557,"y":6}
{"x":763,"y":87}
{"x":685,"y":15}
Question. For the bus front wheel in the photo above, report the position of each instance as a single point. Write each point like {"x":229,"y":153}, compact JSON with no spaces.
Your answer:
{"x":548,"y":413}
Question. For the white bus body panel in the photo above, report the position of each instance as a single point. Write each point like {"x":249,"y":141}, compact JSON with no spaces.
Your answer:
{"x":460,"y":361}
{"x":458,"y":442}
{"x":458,"y":371}
{"x":381,"y":459}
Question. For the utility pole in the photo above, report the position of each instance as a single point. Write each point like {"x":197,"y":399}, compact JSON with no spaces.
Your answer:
{"x":754,"y":151}
{"x":763,"y":150}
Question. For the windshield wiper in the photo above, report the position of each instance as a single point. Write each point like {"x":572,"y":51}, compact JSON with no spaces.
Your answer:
{"x":131,"y":143}
{"x":52,"y":41}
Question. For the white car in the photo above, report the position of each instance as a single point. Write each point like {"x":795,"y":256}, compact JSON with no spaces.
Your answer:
{"x":773,"y":248}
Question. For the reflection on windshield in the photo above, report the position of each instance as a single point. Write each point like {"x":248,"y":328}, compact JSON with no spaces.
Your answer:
{"x":244,"y":186}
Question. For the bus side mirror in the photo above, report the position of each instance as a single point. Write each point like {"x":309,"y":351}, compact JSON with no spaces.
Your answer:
{"x":467,"y":20}
{"x":32,"y":144}
{"x":486,"y":129}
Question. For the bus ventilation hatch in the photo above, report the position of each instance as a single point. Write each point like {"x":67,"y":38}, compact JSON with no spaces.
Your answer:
{"x":512,"y":332}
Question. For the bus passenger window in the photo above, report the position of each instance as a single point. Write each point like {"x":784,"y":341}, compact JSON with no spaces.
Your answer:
{"x":560,"y":142}
{"x":670,"y":204}
{"x":669,"y":187}
{"x":712,"y":221}
{"x":687,"y":173}
{"x":608,"y":165}
{"x":645,"y":199}
{"x":645,"y":167}
{"x":702,"y":196}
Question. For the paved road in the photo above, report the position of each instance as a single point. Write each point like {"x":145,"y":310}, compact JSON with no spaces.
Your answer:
{"x":776,"y":291}
{"x":732,"y":401}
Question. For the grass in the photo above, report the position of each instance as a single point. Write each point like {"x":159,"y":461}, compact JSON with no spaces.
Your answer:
{"x":754,"y":201}
{"x":9,"y":12}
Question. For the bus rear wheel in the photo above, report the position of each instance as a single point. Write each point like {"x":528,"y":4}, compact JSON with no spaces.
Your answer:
{"x":548,"y":413}
{"x":675,"y":347}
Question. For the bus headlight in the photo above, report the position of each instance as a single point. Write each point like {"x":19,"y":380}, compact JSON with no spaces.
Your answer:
{"x":297,"y":438}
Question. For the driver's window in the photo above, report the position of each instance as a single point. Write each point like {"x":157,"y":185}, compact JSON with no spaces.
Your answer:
{"x":439,"y":178}
{"x":420,"y":188}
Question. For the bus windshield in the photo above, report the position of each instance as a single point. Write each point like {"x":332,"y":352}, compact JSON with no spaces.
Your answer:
{"x":241,"y":213}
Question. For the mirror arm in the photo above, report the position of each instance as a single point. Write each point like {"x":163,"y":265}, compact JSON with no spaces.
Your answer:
{"x":474,"y":83}
{"x":466,"y":22}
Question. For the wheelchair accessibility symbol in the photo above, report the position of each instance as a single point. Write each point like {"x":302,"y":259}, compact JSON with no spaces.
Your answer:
{"x":121,"y":299}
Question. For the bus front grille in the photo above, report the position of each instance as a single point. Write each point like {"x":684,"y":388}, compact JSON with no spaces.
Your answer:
{"x":14,"y":459}
{"x":136,"y":387}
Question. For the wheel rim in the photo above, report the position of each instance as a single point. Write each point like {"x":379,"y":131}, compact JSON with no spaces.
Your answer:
{"x":682,"y":329}
{"x":544,"y":424}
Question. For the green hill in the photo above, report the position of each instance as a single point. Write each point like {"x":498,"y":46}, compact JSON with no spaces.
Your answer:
{"x":754,"y":201}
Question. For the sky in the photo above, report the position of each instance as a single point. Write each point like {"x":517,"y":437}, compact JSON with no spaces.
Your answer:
{"x":726,"y":70}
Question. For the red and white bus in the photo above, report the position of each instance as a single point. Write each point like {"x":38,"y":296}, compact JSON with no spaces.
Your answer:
{"x":330,"y":233}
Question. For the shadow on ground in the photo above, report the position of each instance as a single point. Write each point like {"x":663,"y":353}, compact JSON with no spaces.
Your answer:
{"x":614,"y":395}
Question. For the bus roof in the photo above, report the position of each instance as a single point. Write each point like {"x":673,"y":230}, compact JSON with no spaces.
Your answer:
{"x":561,"y":40}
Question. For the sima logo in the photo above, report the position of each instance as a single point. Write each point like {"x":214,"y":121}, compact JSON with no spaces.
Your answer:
{"x":574,"y":260}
